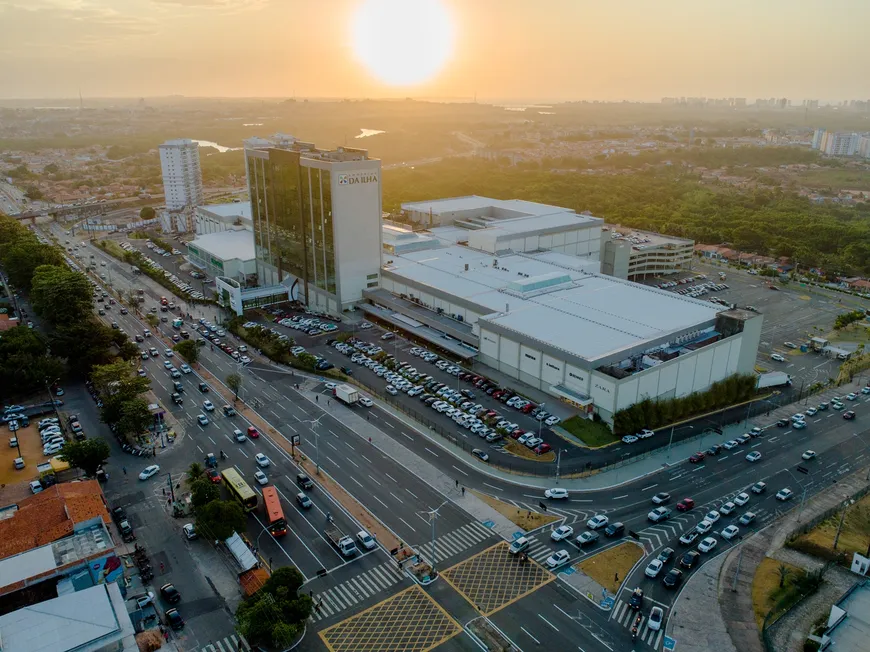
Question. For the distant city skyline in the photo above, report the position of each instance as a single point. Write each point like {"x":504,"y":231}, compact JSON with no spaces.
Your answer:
{"x":502,"y":51}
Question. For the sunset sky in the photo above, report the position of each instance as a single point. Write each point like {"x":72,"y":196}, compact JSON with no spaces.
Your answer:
{"x":499,"y":49}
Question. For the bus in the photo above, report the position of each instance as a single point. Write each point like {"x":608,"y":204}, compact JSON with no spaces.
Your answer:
{"x":239,"y":489}
{"x":275,"y":520}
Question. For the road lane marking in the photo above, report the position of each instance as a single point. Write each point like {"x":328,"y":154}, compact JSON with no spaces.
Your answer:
{"x":548,"y":622}
{"x":357,"y":481}
{"x":460,"y":470}
{"x":396,"y":497}
{"x":352,"y":462}
{"x":331,"y":461}
{"x":620,"y":497}
{"x":493,"y":486}
{"x":381,"y":501}
{"x":375,"y":481}
{"x":411,"y":492}
{"x":650,"y":487}
{"x":529,"y":635}
{"x":408,"y":524}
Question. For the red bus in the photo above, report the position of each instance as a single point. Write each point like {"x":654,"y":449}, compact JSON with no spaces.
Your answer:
{"x":275,"y":520}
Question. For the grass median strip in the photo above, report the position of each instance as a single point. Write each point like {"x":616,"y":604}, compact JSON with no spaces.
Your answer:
{"x":772,"y":581}
{"x":853,"y":535}
{"x":591,"y":433}
{"x":611,"y":567}
{"x":520,"y":450}
{"x":524,"y":518}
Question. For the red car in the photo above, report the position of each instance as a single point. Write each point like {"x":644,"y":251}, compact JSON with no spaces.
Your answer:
{"x":213,"y":475}
{"x":516,"y":434}
{"x":253,"y":433}
{"x":685,"y":505}
{"x":528,"y":408}
{"x":697,"y":457}
{"x":543,"y":448}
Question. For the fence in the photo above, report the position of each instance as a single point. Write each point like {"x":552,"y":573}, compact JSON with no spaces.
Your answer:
{"x":828,"y":513}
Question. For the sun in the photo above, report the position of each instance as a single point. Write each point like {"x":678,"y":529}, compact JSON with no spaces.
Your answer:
{"x":403,"y":42}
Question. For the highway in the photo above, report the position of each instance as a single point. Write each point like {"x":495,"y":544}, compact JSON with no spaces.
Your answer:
{"x":553,"y":614}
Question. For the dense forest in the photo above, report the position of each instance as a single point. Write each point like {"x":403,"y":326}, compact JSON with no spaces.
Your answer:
{"x":667,"y":200}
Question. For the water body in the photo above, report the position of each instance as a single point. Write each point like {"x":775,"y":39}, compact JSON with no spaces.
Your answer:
{"x":365,"y":133}
{"x":220,"y":148}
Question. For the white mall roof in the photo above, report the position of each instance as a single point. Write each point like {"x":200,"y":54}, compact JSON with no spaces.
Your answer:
{"x":230,"y":209}
{"x":475,"y":202}
{"x":589,"y":316}
{"x":227,"y":245}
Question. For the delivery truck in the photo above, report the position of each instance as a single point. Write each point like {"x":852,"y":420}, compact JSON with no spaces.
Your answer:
{"x":340,"y":540}
{"x":346,"y":394}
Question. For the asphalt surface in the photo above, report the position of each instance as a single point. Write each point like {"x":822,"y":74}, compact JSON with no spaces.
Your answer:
{"x":548,"y":615}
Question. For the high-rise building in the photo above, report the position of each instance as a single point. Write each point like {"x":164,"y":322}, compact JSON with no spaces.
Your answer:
{"x":316,"y":216}
{"x":839,"y":143}
{"x":182,"y":177}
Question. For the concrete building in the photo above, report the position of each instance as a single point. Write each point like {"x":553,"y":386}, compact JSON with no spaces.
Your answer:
{"x":497,"y":225}
{"x":317,"y":222}
{"x":637,"y":255}
{"x":553,"y":322}
{"x":837,"y":143}
{"x":182,"y":182}
{"x":215,"y":218}
{"x":226,"y":253}
{"x":182,"y":178}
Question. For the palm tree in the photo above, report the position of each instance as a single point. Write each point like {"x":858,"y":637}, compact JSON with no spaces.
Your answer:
{"x":195,"y":472}
{"x":784,"y":572}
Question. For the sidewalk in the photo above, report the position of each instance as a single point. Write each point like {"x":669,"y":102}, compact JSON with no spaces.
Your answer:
{"x":728,"y":622}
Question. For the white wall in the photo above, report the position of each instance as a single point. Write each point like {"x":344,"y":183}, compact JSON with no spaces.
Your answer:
{"x":356,"y":216}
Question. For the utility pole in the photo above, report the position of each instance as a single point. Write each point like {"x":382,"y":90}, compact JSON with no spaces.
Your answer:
{"x":540,"y":421}
{"x":840,"y":524}
{"x":671,"y":441}
{"x":171,"y":489}
{"x":433,"y":516}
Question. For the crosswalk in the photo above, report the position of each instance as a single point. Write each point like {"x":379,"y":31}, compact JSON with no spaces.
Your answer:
{"x":624,"y":616}
{"x":232,"y":643}
{"x":355,"y":590}
{"x":453,"y":543}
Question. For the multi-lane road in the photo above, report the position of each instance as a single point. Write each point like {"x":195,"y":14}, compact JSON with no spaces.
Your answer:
{"x":398,"y":496}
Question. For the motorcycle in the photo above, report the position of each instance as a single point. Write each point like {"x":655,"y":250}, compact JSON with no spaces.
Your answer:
{"x":146,"y":577}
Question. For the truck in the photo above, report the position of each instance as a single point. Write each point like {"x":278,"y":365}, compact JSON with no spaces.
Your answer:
{"x":346,"y":394}
{"x":773,"y":379}
{"x":340,"y":540}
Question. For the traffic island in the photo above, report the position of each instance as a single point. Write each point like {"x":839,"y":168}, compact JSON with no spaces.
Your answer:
{"x":582,"y":432}
{"x":523,"y":518}
{"x":610,"y":568}
{"x":519,"y":450}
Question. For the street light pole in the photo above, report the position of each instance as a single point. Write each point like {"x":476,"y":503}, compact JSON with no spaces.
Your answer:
{"x":558,"y":463}
{"x":314,"y":423}
{"x":840,"y":524}
{"x":433,"y":516}
{"x":540,"y":421}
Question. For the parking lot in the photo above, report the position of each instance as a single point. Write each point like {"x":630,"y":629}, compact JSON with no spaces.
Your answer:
{"x":792,"y":313}
{"x":408,"y":378}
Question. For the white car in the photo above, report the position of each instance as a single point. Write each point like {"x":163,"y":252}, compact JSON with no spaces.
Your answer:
{"x":329,"y":386}
{"x":800,"y":424}
{"x":168,"y":353}
{"x":754,"y":456}
{"x":149,"y":471}
{"x":777,"y":357}
{"x":556,"y":493}
{"x":144,"y":600}
{"x":629,"y":439}
{"x":365,"y":401}
{"x":552,"y":421}
{"x":703,"y":527}
{"x":784,"y":494}
{"x":208,"y":406}
{"x":391,"y":390}
{"x":811,"y":411}
{"x":646,"y":433}
{"x":366,"y":540}
{"x":727,"y":508}
{"x":731,"y":443}
{"x":808,"y":455}
{"x":262,"y":460}
{"x":707,"y":544}
{"x":730,"y":532}
{"x":189,"y":531}
{"x":561,"y":532}
{"x":185,"y":369}
{"x":741,"y":499}
{"x":260,"y":477}
{"x":557,"y":559}
{"x":597,"y":522}
{"x":712,"y":516}
{"x":656,"y":617}
{"x":654,"y":568}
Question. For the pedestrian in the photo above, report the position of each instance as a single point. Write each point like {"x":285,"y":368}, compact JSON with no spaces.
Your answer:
{"x":457,"y":483}
{"x":124,"y":469}
{"x":162,"y":567}
{"x":317,"y":398}
{"x":616,"y":577}
{"x":463,"y":491}
{"x":164,"y":491}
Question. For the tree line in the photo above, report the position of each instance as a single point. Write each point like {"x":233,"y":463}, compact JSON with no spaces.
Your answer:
{"x":665,"y":200}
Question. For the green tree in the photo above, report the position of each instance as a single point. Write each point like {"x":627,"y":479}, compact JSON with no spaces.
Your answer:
{"x":87,"y":455}
{"x":147,"y":213}
{"x":234,"y":382}
{"x":188,"y":349}
{"x":784,"y":572}
{"x":195,"y":472}
{"x":84,"y":344}
{"x":60,"y":295}
{"x":203,"y":492}
{"x":275,"y":615}
{"x":152,"y":320}
{"x":220,"y":518}
{"x":34,"y":193}
{"x":135,"y":417}
{"x":51,"y":168}
{"x":25,"y":362}
{"x":22,"y":256}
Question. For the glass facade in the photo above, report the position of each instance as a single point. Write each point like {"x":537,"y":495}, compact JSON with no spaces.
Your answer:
{"x":291,"y":209}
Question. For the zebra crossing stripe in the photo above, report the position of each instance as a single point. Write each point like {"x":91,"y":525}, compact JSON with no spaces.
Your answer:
{"x":219,"y":646}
